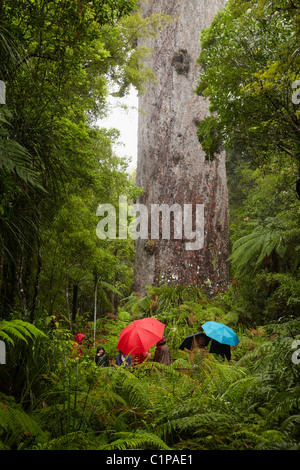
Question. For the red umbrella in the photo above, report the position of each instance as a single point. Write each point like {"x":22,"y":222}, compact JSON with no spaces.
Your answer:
{"x":140,"y":335}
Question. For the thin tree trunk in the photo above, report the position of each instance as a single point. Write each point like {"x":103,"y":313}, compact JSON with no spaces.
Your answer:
{"x":37,"y":282}
{"x":8,"y":288}
{"x":68,"y":306}
{"x":74,"y":302}
{"x":95,"y":305}
{"x":20,"y":286}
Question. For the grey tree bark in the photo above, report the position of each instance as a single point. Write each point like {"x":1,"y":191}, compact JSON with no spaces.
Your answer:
{"x":171,"y":165}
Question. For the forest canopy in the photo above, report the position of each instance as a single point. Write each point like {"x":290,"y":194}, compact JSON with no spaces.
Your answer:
{"x":250,"y":65}
{"x":59,"y":61}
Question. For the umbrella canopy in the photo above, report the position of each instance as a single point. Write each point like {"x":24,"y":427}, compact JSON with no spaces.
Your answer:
{"x":188,"y":341}
{"x":140,"y":335}
{"x":221,"y":333}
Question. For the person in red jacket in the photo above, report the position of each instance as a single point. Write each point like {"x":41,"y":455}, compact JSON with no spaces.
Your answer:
{"x":77,"y":347}
{"x":140,"y":357}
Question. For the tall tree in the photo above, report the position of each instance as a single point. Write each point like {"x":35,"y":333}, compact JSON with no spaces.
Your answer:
{"x":250,"y":59}
{"x":172,"y":168}
{"x":59,"y":60}
{"x":54,"y":64}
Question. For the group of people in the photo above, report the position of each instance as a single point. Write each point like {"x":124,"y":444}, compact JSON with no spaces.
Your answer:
{"x":162,"y":354}
{"x":201,"y":341}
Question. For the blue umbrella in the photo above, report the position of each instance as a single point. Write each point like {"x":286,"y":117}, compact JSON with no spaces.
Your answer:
{"x":220,"y":332}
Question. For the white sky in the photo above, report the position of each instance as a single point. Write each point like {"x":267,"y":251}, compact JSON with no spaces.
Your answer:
{"x":126,"y":121}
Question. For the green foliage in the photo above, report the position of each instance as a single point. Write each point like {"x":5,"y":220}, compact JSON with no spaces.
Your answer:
{"x":210,"y":135}
{"x":260,"y":244}
{"x":250,"y":62}
{"x":138,"y":440}
{"x":265,"y":239}
{"x":59,"y":64}
{"x":19,"y":330}
{"x":18,"y":430}
{"x":197,"y":403}
{"x":14,"y":157}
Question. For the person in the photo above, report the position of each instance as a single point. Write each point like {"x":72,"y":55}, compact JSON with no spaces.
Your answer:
{"x":122,"y":359}
{"x":162,"y":352}
{"x":101,"y":358}
{"x":77,"y":346}
{"x":222,"y":350}
{"x":198,"y":351}
{"x":200,"y":341}
{"x":138,"y":358}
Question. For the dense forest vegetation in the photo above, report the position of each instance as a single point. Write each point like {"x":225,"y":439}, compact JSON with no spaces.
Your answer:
{"x":59,"y":60}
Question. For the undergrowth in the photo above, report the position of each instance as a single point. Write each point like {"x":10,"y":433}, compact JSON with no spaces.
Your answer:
{"x":198,"y":403}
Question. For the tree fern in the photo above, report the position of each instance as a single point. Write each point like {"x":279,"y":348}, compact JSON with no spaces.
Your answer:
{"x":259,"y":244}
{"x":287,"y":405}
{"x":14,"y":157}
{"x":19,"y":330}
{"x":169,"y":297}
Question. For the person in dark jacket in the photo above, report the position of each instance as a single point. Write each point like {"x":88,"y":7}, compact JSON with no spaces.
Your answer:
{"x":162,"y":352}
{"x":122,"y":359}
{"x":101,"y":358}
{"x":222,"y":350}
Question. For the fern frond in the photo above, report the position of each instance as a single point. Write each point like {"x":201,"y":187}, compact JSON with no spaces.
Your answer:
{"x":136,"y":440}
{"x":16,"y":425}
{"x":193,"y":422}
{"x":291,"y":424}
{"x":135,"y":393}
{"x":260,"y":243}
{"x":20,"y":330}
{"x":238,"y":389}
{"x":14,"y":157}
{"x":248,"y":435}
{"x":287,"y":406}
{"x":181,"y":364}
{"x":6,"y":338}
{"x":77,"y":440}
{"x":110,"y":287}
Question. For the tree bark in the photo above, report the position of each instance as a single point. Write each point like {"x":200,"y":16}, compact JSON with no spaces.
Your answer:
{"x":171,"y":166}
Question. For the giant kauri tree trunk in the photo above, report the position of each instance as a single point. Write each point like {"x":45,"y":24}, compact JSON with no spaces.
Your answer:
{"x":171,"y":167}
